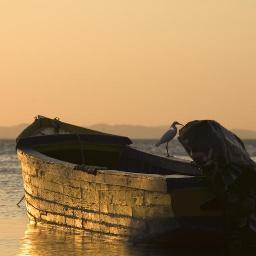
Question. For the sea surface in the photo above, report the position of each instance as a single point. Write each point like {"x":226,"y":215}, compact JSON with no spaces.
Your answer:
{"x":18,"y":237}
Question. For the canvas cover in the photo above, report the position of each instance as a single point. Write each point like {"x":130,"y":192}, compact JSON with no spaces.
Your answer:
{"x":230,"y":172}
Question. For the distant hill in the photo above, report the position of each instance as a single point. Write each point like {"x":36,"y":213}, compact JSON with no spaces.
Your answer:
{"x":11,"y":132}
{"x":245,"y":134}
{"x":132,"y":131}
{"x":147,"y":132}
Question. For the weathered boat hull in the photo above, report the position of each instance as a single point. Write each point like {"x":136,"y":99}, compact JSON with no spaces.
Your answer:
{"x":111,"y":203}
{"x":142,"y":197}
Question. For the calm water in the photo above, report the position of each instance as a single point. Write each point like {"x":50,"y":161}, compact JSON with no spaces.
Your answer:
{"x":18,"y":237}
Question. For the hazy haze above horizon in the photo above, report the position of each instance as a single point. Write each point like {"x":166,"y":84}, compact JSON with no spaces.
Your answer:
{"x":128,"y":62}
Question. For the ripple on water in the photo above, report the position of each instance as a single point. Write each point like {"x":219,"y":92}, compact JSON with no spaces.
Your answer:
{"x":46,"y":240}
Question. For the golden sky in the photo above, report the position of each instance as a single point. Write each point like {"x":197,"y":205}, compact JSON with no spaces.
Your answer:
{"x":128,"y":62}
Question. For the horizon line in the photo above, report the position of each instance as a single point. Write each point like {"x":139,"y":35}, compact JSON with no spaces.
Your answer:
{"x":121,"y":124}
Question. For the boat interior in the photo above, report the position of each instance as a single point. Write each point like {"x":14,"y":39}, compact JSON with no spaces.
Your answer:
{"x":109,"y":152}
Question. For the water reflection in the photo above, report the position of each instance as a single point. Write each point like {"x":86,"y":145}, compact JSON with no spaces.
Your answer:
{"x":44,"y":240}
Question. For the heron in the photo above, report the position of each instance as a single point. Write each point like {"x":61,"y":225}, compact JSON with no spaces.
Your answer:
{"x":168,"y":136}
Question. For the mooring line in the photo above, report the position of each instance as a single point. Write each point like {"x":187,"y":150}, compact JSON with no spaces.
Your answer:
{"x":20,"y":201}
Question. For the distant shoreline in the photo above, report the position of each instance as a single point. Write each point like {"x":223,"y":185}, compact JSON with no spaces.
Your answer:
{"x":131,"y":131}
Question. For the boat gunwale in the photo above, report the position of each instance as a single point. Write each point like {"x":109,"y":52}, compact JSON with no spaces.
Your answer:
{"x":34,"y":153}
{"x":154,"y":182}
{"x":98,"y":139}
{"x":28,"y":146}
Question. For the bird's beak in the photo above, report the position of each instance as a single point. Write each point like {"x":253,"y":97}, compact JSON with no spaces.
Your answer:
{"x":180,"y":124}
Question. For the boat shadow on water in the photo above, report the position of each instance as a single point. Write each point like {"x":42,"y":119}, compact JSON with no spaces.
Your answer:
{"x":48,"y":240}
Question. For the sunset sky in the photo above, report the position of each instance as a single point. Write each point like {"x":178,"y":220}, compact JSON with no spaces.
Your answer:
{"x":142,"y":62}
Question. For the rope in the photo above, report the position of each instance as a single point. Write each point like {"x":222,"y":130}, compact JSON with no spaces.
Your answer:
{"x":18,"y":204}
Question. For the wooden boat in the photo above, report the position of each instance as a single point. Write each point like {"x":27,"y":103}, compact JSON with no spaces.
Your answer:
{"x":96,"y":182}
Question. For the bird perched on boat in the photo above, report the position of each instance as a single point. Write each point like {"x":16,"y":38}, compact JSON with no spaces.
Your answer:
{"x":168,"y":136}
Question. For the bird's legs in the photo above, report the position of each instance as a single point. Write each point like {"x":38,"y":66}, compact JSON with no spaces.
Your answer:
{"x":167,"y":150}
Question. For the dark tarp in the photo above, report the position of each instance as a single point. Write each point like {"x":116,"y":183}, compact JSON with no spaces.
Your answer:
{"x":224,"y":161}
